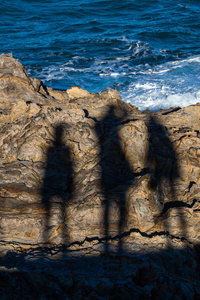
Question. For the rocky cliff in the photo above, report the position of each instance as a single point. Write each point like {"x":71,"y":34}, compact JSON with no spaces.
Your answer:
{"x":97,"y":199}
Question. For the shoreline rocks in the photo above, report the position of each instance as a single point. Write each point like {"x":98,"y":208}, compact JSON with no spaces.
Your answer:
{"x":93,"y":175}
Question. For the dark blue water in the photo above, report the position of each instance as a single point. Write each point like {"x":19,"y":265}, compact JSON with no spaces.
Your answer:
{"x":148,"y":50}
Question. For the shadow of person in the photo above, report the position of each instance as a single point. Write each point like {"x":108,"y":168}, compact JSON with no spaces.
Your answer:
{"x":115,"y":174}
{"x":57,"y":186}
{"x":162,"y":162}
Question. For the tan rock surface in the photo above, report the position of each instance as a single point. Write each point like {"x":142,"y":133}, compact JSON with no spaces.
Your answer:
{"x":98,"y":129}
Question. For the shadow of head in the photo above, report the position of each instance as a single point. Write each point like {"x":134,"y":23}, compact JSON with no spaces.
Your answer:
{"x":59,"y":133}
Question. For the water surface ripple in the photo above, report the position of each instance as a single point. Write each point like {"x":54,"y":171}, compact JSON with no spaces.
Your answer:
{"x":148,"y":50}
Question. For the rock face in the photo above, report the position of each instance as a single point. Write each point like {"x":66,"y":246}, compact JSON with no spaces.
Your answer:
{"x":88,"y":180}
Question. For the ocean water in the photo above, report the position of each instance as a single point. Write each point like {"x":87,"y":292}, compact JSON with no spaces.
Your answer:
{"x":148,"y":50}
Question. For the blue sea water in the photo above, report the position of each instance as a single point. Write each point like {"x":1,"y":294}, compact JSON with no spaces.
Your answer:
{"x":148,"y":50}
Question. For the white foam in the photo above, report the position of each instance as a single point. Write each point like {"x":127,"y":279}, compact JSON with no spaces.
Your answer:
{"x":172,"y":84}
{"x":154,"y":98}
{"x":175,"y":83}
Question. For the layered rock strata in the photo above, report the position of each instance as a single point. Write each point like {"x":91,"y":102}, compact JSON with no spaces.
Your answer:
{"x":89,"y":176}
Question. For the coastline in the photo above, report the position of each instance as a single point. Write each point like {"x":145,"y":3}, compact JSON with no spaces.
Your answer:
{"x":89,"y":179}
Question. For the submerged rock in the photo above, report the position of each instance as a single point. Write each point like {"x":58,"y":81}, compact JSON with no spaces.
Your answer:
{"x":87,"y":177}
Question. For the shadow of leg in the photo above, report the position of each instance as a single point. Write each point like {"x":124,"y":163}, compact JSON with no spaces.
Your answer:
{"x":46,"y":231}
{"x":106,"y":223}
